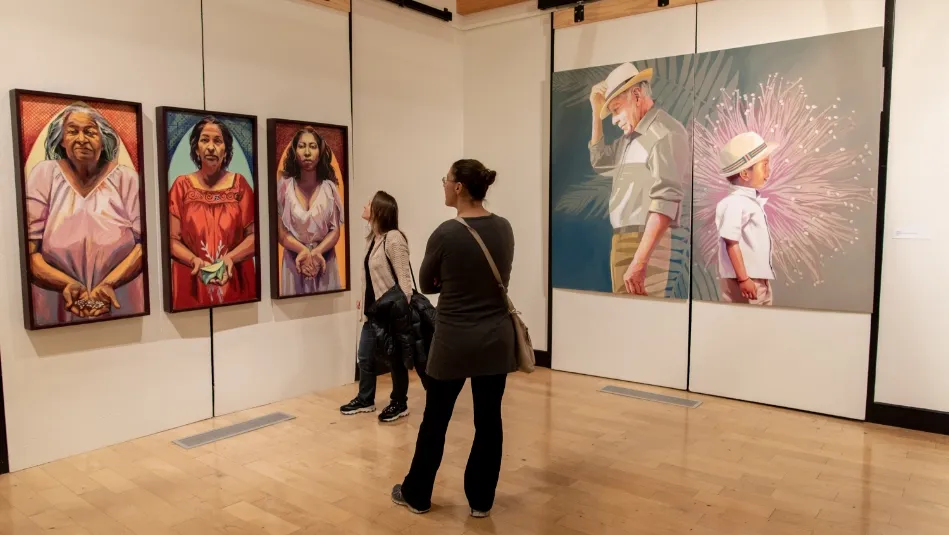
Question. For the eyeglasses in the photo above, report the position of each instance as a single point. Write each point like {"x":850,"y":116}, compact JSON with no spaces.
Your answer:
{"x":446,"y":180}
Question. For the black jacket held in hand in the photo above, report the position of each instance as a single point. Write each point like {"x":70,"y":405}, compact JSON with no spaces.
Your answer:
{"x":400,"y":329}
{"x":422,"y":309}
{"x":390,"y":319}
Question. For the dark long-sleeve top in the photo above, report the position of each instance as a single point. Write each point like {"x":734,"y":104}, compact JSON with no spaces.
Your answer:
{"x":474,"y":332}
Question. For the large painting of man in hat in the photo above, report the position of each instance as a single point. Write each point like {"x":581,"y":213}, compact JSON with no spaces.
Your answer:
{"x":650,"y":164}
{"x":621,"y":187}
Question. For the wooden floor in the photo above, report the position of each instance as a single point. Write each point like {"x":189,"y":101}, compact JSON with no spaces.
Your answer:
{"x":576,"y":462}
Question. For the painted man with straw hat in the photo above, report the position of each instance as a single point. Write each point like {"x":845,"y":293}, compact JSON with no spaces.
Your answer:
{"x":650,"y":164}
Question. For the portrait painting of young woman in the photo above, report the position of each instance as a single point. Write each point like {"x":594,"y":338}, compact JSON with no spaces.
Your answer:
{"x":308,"y":209}
{"x":209,"y":208}
{"x":81,"y":194}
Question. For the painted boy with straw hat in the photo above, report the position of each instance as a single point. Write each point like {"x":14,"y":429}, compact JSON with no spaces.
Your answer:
{"x":650,"y":163}
{"x":744,"y":255}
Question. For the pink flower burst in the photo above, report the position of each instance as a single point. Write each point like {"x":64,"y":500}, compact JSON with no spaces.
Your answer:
{"x":814,"y":180}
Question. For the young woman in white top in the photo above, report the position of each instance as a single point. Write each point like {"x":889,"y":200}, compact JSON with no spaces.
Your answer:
{"x":386,"y":266}
{"x":310,"y":215}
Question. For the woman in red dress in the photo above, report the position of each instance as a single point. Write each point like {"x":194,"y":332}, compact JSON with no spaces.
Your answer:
{"x":211,"y":226}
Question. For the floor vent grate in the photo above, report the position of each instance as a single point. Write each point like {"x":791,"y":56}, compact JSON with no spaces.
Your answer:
{"x":651,"y":396}
{"x":232,"y":430}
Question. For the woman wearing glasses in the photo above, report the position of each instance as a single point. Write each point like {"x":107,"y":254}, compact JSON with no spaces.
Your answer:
{"x":474,"y":338}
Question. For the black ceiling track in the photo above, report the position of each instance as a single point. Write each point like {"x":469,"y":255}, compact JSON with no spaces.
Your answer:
{"x":443,"y":14}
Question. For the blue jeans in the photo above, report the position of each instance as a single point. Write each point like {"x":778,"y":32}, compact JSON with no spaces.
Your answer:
{"x":367,"y":373}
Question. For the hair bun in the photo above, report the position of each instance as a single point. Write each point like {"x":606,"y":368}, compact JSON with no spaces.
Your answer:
{"x":489,"y":176}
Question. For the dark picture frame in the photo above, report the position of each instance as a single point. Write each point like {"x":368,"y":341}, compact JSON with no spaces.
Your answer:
{"x":164,"y":182}
{"x":17,"y":96}
{"x":274,"y":154}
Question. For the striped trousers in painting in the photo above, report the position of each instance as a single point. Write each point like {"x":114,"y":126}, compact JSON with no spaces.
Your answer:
{"x":625,"y":243}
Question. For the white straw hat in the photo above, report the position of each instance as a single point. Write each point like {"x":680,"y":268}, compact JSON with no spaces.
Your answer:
{"x":743,"y":152}
{"x":621,"y":79}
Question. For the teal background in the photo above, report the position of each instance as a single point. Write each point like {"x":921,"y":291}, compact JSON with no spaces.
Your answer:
{"x":181,"y":163}
{"x":178,"y":128}
{"x":580,"y":228}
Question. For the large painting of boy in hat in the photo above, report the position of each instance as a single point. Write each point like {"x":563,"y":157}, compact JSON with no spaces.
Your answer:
{"x":786,"y":174}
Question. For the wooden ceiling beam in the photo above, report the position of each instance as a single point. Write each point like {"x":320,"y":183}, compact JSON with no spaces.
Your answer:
{"x":340,"y":5}
{"x":613,"y":9}
{"x":467,"y":7}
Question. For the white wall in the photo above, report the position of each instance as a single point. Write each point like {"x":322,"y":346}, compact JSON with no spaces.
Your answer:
{"x":506,"y":118}
{"x":807,"y":360}
{"x":75,"y":389}
{"x":78,"y":388}
{"x":633,"y":339}
{"x":912,"y":363}
{"x":408,"y":98}
{"x":285,"y":59}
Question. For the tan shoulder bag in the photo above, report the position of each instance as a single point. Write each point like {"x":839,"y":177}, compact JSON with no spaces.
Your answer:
{"x":524,"y":348}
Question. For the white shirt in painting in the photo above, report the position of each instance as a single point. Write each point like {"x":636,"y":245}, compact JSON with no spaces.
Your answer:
{"x":309,"y":225}
{"x":629,"y":204}
{"x":740,"y":217}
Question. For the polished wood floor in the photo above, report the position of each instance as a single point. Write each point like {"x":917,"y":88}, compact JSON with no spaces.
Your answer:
{"x":576,"y":462}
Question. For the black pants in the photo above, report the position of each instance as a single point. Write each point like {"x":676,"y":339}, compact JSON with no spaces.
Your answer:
{"x":367,"y":371}
{"x":484,"y":462}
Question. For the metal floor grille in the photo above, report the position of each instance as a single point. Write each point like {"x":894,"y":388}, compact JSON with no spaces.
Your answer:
{"x":232,"y":430}
{"x":650,"y":396}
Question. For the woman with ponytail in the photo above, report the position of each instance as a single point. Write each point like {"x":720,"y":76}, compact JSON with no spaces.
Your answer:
{"x":474,"y":338}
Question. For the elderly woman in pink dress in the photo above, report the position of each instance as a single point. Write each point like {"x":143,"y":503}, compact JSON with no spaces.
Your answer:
{"x":84,"y":224}
{"x":310,"y":213}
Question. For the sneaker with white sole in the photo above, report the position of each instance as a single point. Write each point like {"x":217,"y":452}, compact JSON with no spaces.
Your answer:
{"x":357,"y":406}
{"x":398,"y":499}
{"x":480,"y":514}
{"x":393,"y":412}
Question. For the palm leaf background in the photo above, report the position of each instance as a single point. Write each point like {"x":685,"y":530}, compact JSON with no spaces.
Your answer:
{"x":685,"y":87}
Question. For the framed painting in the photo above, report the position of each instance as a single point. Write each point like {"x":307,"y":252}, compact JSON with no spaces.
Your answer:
{"x":81,"y":197}
{"x":210,"y":207}
{"x":309,"y":249}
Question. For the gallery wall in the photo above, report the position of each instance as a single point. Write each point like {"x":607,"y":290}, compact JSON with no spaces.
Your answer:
{"x":911,"y":355}
{"x":275,"y":349}
{"x":77,"y":388}
{"x":803,"y":359}
{"x":629,"y":338}
{"x":478,"y":87}
{"x":408,"y":105}
{"x":810,"y":350}
{"x":507,"y":104}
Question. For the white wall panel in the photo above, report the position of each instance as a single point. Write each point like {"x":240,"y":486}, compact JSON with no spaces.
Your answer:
{"x":289,"y":60}
{"x":507,"y":88}
{"x":814,"y":361}
{"x":78,"y":388}
{"x":409,"y":116}
{"x":626,"y":338}
{"x":912,"y":363}
{"x":801,"y":359}
{"x":621,"y":337}
{"x":658,"y":34}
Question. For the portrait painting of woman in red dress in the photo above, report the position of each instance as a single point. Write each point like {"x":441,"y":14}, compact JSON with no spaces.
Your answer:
{"x":210,"y":210}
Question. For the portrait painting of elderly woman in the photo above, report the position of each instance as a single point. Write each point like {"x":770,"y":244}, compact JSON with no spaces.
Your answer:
{"x":309,"y":253}
{"x":79,"y":164}
{"x":209,"y":211}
